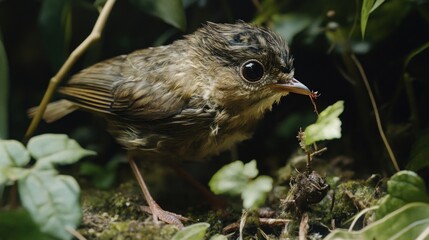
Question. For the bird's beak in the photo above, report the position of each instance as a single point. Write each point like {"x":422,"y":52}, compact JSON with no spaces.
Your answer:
{"x":293,"y":86}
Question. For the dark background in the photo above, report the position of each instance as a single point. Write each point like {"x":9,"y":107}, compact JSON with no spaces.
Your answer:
{"x":38,"y":35}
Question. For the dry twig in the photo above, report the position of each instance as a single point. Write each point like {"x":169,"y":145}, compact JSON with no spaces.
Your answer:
{"x":65,"y":68}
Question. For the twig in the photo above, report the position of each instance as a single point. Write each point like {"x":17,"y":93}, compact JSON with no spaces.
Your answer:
{"x":303,"y":227}
{"x":75,"y":233}
{"x":317,"y":152}
{"x":243,"y":223}
{"x":376,"y":113}
{"x":65,"y":68}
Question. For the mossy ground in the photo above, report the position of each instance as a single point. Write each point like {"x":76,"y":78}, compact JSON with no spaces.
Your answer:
{"x":116,"y":214}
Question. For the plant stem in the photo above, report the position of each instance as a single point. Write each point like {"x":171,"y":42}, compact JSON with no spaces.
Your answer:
{"x":65,"y":68}
{"x":376,"y":113}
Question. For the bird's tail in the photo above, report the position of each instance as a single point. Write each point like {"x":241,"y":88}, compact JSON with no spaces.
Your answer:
{"x":54,"y":110}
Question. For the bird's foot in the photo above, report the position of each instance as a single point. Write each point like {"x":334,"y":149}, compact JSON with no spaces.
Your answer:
{"x":168,"y":217}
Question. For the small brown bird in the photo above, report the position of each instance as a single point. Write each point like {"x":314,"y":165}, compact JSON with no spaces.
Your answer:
{"x":188,"y":100}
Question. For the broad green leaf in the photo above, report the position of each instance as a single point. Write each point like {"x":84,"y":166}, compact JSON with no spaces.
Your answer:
{"x":255,"y":193}
{"x":26,"y":229}
{"x":52,"y":201}
{"x":327,"y":126}
{"x":230,"y":179}
{"x":250,"y":170}
{"x":170,"y":11}
{"x":4,"y":91}
{"x":419,"y":157}
{"x":408,"y":222}
{"x":368,"y":6}
{"x":402,"y":188}
{"x":51,"y":149}
{"x":9,"y":175}
{"x":55,"y":24}
{"x":13,"y":154}
{"x":407,"y":185}
{"x":195,"y":231}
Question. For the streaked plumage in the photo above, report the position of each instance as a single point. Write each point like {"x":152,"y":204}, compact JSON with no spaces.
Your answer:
{"x":185,"y":100}
{"x":188,"y":100}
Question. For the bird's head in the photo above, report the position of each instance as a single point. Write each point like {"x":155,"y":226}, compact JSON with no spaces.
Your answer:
{"x":245,"y":65}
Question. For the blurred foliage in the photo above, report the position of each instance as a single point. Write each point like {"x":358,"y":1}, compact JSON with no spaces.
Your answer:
{"x":196,"y":231}
{"x":408,"y":222}
{"x":390,"y":39}
{"x":402,"y":188}
{"x":52,"y":200}
{"x":323,"y":35}
{"x":242,"y":179}
{"x":26,"y":229}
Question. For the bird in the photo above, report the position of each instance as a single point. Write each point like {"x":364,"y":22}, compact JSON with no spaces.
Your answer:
{"x":189,"y":100}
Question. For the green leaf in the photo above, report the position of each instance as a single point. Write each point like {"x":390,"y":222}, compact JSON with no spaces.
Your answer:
{"x":9,"y":175}
{"x":368,"y":6}
{"x":170,"y":11}
{"x":13,"y":154}
{"x":51,"y":149}
{"x":402,"y":188}
{"x":419,"y":157}
{"x":17,"y":224}
{"x":327,"y":126}
{"x":4,"y":91}
{"x":408,"y":222}
{"x":52,"y":201}
{"x":195,"y":231}
{"x":250,"y":170}
{"x":376,"y":5}
{"x":255,"y":193}
{"x":230,"y":179}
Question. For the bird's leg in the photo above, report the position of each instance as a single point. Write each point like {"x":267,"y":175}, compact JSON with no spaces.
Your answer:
{"x":157,"y":212}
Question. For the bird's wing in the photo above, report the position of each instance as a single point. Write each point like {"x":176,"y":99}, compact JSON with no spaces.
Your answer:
{"x":116,"y":87}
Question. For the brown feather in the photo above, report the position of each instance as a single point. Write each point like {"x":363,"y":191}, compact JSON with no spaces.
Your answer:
{"x":54,"y":110}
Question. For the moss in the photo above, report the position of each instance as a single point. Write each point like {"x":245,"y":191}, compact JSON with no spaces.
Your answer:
{"x":116,"y":214}
{"x":346,"y":200}
{"x":137,"y":230}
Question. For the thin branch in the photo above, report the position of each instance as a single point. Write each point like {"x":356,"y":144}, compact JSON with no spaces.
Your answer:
{"x":75,"y":233}
{"x":71,"y":60}
{"x":303,"y":227}
{"x":376,"y":113}
{"x":243,"y":223}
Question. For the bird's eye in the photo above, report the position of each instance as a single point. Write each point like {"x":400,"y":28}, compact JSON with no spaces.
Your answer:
{"x":252,"y":70}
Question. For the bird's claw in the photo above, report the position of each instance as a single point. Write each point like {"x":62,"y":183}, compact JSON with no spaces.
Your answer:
{"x":165,"y":216}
